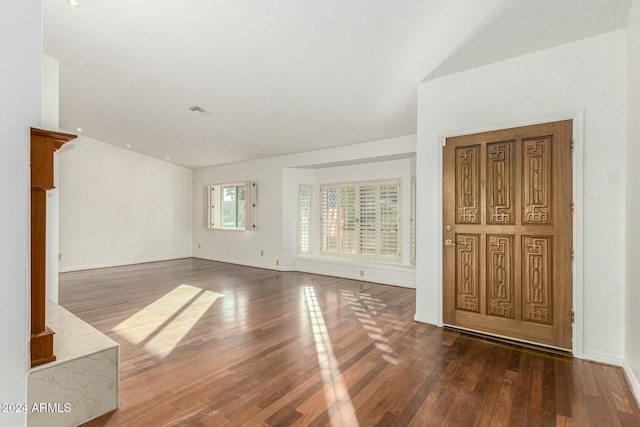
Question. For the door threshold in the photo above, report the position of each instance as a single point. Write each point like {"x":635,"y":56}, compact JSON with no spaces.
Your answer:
{"x":512,"y":341}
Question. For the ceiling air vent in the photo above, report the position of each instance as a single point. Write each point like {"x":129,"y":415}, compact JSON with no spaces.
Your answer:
{"x":199,"y":109}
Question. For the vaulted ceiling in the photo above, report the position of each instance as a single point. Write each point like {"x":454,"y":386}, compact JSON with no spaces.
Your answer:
{"x":281,"y":76}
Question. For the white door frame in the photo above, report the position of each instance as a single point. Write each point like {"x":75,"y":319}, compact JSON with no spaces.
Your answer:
{"x":578,"y":230}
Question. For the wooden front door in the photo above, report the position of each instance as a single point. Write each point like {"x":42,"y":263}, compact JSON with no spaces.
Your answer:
{"x":507,"y":247}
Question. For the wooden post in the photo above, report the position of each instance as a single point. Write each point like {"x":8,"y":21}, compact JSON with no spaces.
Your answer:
{"x":43,"y":145}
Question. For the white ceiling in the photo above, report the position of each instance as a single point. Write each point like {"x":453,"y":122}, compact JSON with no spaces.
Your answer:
{"x":281,"y":76}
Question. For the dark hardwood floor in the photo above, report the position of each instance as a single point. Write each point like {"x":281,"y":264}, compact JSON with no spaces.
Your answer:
{"x":211,"y":344}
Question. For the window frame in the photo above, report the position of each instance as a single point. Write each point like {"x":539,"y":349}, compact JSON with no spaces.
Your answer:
{"x":213,"y":206}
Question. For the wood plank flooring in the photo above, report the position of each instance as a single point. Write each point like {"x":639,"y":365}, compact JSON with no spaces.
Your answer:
{"x":212,"y":344}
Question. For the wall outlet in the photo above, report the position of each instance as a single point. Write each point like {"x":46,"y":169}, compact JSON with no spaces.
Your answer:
{"x":361,"y":273}
{"x":277,"y":262}
{"x":198,"y":245}
{"x":261,"y":253}
{"x":59,"y":256}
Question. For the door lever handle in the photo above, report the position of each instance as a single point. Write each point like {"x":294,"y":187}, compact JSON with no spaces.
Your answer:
{"x":449,"y":242}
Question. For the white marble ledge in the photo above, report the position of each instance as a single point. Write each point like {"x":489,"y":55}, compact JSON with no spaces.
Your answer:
{"x":74,"y":338}
{"x":73,"y":392}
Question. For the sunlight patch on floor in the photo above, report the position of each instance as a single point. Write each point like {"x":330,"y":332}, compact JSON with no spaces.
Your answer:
{"x":160,"y":326}
{"x":366,"y":308}
{"x":342,"y":413}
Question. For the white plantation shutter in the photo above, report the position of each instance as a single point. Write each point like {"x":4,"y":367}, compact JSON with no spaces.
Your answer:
{"x":361,"y":219}
{"x":389,"y":220}
{"x":367,"y":219}
{"x":329,"y":221}
{"x":304,"y":219}
{"x":206,"y":211}
{"x":348,"y":219}
{"x":209,"y":213}
{"x":250,"y":206}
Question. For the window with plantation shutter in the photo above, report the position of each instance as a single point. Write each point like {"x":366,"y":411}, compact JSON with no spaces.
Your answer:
{"x":347,"y":232}
{"x":389,"y":220}
{"x":329,"y":203}
{"x":304,"y":219}
{"x":361,"y":219}
{"x":368,"y":221}
{"x":229,"y":206}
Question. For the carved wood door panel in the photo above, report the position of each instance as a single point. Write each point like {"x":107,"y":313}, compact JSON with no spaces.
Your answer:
{"x":507,"y":234}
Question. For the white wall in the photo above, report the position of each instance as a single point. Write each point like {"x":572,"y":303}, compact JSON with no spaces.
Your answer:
{"x":239,"y":246}
{"x":632,"y":337}
{"x":20,"y":55}
{"x":586,"y":75}
{"x":50,"y":119}
{"x":50,"y":107}
{"x":277,"y":180}
{"x":119,"y":207}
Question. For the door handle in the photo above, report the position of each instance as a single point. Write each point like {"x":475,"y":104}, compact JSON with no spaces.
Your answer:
{"x":449,"y":242}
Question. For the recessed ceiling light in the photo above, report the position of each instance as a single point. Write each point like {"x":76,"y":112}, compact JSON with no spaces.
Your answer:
{"x":128,"y":145}
{"x":168,"y":158}
{"x":79,"y":129}
{"x":73,"y":3}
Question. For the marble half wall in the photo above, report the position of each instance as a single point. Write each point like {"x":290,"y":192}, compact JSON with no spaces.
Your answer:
{"x":83,"y":382}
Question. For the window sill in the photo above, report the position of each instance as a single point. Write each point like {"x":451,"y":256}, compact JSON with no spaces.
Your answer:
{"x":229,"y":229}
{"x":384,"y":264}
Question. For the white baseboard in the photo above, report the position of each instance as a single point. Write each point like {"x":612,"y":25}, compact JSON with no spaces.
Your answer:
{"x":353,"y":277}
{"x":320,"y":272}
{"x":602,"y":358}
{"x":633,"y":381}
{"x":425,"y":319}
{"x":246,"y":264}
{"x":121,"y":263}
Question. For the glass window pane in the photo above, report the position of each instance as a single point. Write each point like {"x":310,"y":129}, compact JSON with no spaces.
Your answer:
{"x":241,"y":206}
{"x":228,"y":207}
